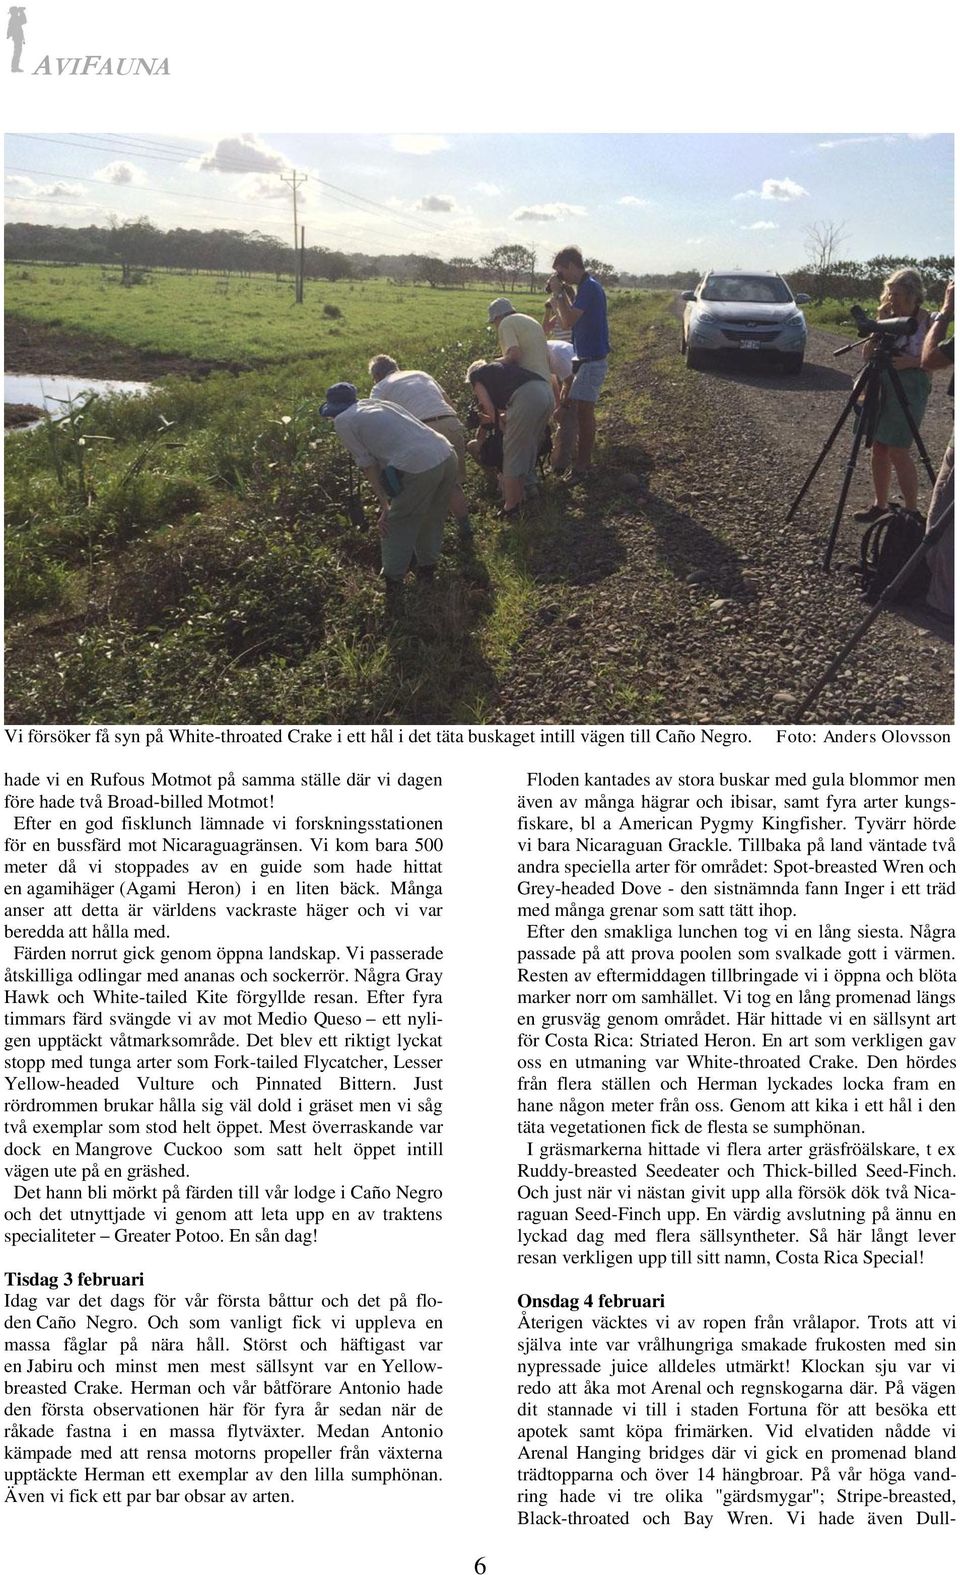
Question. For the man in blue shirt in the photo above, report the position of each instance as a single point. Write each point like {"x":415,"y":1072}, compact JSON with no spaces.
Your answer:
{"x":587,"y":317}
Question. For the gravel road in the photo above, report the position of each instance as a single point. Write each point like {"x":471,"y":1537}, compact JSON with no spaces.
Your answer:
{"x":794,"y":416}
{"x":688,"y":598}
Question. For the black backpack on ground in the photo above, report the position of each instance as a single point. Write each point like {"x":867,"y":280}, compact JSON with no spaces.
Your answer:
{"x":887,"y":545}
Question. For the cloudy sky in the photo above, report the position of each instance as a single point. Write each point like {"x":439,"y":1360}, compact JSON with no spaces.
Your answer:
{"x":641,"y":202}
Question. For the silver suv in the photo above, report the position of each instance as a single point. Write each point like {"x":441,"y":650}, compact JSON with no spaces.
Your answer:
{"x":751,"y":313}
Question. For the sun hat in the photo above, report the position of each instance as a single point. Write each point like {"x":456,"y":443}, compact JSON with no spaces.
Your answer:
{"x":340,"y":396}
{"x":501,"y":307}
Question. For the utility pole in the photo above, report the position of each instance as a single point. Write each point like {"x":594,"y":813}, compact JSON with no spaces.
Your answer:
{"x":295,"y":180}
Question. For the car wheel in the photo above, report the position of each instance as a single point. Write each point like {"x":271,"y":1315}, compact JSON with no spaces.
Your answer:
{"x":694,"y":358}
{"x":793,"y":363}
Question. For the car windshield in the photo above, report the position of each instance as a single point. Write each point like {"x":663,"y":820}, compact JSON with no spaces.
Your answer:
{"x":741,"y":287}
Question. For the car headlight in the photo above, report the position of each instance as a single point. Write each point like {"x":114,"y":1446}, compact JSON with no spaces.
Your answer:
{"x":706,"y":317}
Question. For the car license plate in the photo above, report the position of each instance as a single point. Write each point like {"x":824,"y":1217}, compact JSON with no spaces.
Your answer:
{"x":749,"y":344}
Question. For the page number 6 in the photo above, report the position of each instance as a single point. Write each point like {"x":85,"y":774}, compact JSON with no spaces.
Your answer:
{"x":480,"y":1568}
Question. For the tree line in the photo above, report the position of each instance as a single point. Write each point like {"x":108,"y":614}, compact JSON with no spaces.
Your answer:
{"x":140,"y":244}
{"x":857,"y":281}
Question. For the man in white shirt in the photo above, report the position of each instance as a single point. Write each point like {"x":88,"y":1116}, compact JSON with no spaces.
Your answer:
{"x":561,"y":356}
{"x":411,"y":469}
{"x":421,"y":395}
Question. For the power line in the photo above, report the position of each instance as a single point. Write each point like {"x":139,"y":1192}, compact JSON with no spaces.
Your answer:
{"x":339,"y":194}
{"x":177,"y":197}
{"x":123,"y":146}
{"x":157,"y":191}
{"x":241,"y":166}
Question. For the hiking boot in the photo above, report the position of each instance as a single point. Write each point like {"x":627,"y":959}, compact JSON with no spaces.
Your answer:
{"x":392,"y":596}
{"x":876,"y":511}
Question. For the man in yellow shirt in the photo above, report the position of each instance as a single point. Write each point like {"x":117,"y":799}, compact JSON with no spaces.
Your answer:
{"x":520,"y":337}
{"x":522,"y":343}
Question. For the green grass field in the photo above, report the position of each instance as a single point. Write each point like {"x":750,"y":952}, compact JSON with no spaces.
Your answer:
{"x":252,"y":319}
{"x":188,"y":556}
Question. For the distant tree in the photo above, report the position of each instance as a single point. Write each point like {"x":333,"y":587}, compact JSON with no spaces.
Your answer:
{"x":683,"y":279}
{"x":464,"y":268}
{"x":433,"y":271}
{"x":495,"y":267}
{"x":322,"y":263}
{"x":266,"y":253}
{"x":135,"y":243}
{"x":849,"y":280}
{"x":506,"y":263}
{"x":493,"y":270}
{"x":823,"y":242}
{"x":521,"y":262}
{"x":604,"y":272}
{"x":937,"y":273}
{"x":403,"y":269}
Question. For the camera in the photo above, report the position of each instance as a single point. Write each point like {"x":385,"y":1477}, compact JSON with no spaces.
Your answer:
{"x":890,"y":327}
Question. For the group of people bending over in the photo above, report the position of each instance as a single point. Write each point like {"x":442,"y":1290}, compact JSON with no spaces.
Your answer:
{"x":411,"y":446}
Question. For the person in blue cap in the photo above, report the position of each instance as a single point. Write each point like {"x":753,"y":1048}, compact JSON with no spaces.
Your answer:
{"x":410,"y":468}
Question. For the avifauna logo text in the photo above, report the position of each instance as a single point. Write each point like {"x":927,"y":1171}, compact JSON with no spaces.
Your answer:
{"x":102,"y":66}
{"x":78,"y":65}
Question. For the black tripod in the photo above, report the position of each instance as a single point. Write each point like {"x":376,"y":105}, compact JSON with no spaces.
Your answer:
{"x":866,"y":393}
